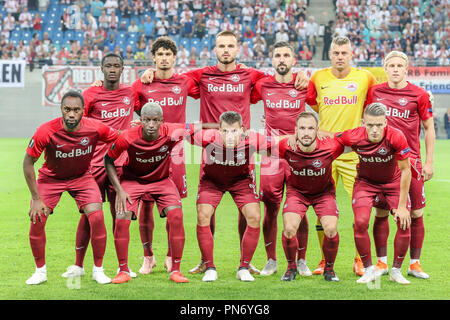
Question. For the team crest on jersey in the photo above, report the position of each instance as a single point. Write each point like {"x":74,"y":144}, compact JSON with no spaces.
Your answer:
{"x":293,"y":93}
{"x":163,"y":149}
{"x":317,"y":163}
{"x":84,"y":141}
{"x":126,"y":100}
{"x":240,"y":155}
{"x":351,"y":87}
{"x":176,"y":90}
{"x":235,"y":78}
{"x":402,"y":101}
{"x":382,"y":151}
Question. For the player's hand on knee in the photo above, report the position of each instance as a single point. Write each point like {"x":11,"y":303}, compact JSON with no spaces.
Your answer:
{"x":121,"y":202}
{"x":97,"y":83}
{"x":403,"y":217}
{"x":38,"y":208}
{"x":147,"y":76}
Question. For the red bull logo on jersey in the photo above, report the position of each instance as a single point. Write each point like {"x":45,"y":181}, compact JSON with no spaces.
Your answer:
{"x":340,"y":100}
{"x":168,"y":101}
{"x":283,"y":104}
{"x":226,"y":87}
{"x":309,"y":172}
{"x":119,"y":112}
{"x":376,"y":159}
{"x":226,"y":162}
{"x":152,"y":159}
{"x":393,"y":112}
{"x":74,"y":153}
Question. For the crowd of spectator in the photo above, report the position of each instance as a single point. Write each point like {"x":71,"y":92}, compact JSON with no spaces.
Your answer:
{"x":420,"y":28}
{"x":38,"y":30}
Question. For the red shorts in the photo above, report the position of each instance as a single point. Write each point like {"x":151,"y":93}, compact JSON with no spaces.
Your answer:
{"x":417,"y":189}
{"x":324,"y":204}
{"x":273,"y":175}
{"x":163,"y":192}
{"x":83,"y":189}
{"x":382,"y":196}
{"x":242,"y":191}
{"x":106,"y":189}
{"x":177,"y":171}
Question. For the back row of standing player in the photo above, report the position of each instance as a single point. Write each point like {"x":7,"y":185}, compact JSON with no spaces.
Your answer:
{"x":227,"y":87}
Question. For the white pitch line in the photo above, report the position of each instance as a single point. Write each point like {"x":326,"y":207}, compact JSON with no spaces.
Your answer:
{"x":440,"y":180}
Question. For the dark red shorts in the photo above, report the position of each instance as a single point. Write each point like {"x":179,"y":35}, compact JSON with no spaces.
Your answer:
{"x":417,"y":189}
{"x":163,"y":192}
{"x":382,"y":196}
{"x":106,"y":189}
{"x":273,"y":175}
{"x":242,"y":191}
{"x":324,"y":204}
{"x":83,"y":189}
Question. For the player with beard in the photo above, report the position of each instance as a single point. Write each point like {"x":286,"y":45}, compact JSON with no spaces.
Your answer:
{"x":408,"y":106}
{"x":113,"y":104}
{"x":310,"y":184}
{"x":69,"y":143}
{"x":282,"y":105}
{"x":226,"y":87}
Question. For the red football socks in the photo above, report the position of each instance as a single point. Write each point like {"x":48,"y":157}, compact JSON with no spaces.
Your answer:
{"x":270,"y":230}
{"x":417,"y":237}
{"x":176,"y":236}
{"x":248,"y":245}
{"x":401,"y":244}
{"x":37,"y":241}
{"x":206,"y":244}
{"x":330,"y":249}
{"x":121,"y":241}
{"x":98,"y":236}
{"x":362,"y":239}
{"x":146,"y":226}
{"x":302,"y":238}
{"x":380,"y":235}
{"x":82,"y":238}
{"x":290,"y":250}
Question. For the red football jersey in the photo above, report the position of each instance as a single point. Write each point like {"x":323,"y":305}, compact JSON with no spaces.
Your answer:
{"x":68,"y":154}
{"x":170,"y":94}
{"x":282,"y":104}
{"x":225,"y":165}
{"x":311,"y":171}
{"x":405,"y":108}
{"x":114,"y":108}
{"x":148,"y":161}
{"x":225,"y":91}
{"x":377,"y":161}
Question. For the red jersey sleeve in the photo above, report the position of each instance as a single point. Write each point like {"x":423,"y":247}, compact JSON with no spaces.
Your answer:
{"x":256,"y":75}
{"x":424,"y":106}
{"x":398,"y":140}
{"x":139,"y":97}
{"x":345,"y":137}
{"x":88,"y":101}
{"x":337,"y":148}
{"x":195,"y":75}
{"x":204,"y":137}
{"x":177,"y":131}
{"x":119,"y":146}
{"x":311,"y":94}
{"x":38,"y":142}
{"x":279,"y":150}
{"x":255,"y":95}
{"x":193,"y":89}
{"x":107,"y":134}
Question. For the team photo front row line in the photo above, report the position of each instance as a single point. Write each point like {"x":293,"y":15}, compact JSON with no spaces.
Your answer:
{"x":137,"y":163}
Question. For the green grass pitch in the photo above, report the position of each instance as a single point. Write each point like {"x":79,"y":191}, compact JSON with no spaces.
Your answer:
{"x":17,"y":263}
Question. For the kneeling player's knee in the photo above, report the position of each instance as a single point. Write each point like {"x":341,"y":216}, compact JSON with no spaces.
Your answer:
{"x":416,"y":213}
{"x":290,"y":230}
{"x":253,"y":220}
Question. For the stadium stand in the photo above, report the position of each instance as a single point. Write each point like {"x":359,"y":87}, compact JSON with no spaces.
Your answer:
{"x":79,"y":32}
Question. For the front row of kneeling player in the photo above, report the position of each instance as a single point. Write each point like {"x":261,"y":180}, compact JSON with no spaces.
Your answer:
{"x":383,"y":181}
